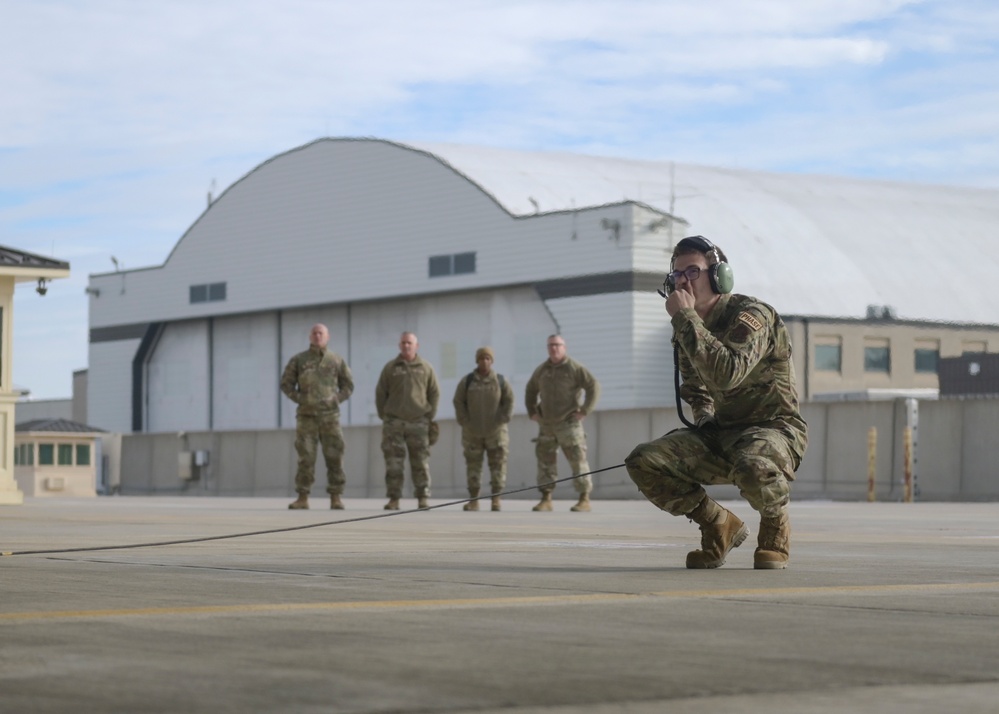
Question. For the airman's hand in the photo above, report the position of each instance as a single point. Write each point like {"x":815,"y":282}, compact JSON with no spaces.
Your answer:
{"x":678,"y":300}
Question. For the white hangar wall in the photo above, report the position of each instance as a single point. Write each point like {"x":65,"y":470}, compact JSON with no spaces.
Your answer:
{"x":351,"y":221}
{"x":223,"y":374}
{"x":351,"y":225}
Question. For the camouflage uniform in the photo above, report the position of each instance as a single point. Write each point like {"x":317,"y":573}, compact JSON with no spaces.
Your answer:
{"x":739,"y":380}
{"x":552,"y":394}
{"x":406,"y":398}
{"x":483,"y":407}
{"x":318,"y":380}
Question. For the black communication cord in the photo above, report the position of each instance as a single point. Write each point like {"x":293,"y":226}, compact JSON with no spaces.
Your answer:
{"x":295,"y":528}
{"x":676,"y":386}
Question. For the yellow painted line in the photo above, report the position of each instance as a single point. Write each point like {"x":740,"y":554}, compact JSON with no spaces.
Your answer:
{"x":488,"y":602}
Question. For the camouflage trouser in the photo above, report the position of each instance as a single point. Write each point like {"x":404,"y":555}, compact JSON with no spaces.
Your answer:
{"x":397,"y":437}
{"x":496,"y":446}
{"x":671,"y":470}
{"x":571,"y":437}
{"x":324,"y":429}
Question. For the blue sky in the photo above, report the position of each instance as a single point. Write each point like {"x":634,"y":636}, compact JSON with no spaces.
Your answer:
{"x":118,"y":116}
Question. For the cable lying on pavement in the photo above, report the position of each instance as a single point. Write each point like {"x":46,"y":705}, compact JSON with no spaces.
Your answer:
{"x":204,"y":539}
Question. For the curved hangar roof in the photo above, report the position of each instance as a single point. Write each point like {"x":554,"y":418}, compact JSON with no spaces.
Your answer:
{"x":810,"y":245}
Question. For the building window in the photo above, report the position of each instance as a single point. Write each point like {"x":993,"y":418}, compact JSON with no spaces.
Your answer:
{"x":926,"y":360}
{"x":464,"y":263}
{"x":83,"y":454}
{"x":210,"y":292}
{"x":46,"y":454}
{"x":18,"y":451}
{"x":877,"y":359}
{"x":829,"y":358}
{"x":440,"y":265}
{"x":65,"y":454}
{"x":456,"y":264}
{"x":25,"y":453}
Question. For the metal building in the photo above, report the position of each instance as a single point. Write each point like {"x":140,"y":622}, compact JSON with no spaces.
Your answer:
{"x":469,"y":246}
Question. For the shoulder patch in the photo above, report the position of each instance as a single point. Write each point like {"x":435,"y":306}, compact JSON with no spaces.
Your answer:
{"x":750,"y":320}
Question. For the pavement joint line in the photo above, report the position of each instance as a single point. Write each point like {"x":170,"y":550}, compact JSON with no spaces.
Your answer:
{"x":14,"y":617}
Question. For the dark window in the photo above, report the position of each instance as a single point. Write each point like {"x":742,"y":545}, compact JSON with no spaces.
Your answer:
{"x":877,"y":359}
{"x":28,"y":458}
{"x":18,"y":454}
{"x":464,"y":263}
{"x":216,"y":292}
{"x":457,"y":264}
{"x":46,"y":454}
{"x":65,"y":454}
{"x":213,"y":292}
{"x":828,"y":358}
{"x":83,"y":454}
{"x":440,"y":265}
{"x":926,"y":360}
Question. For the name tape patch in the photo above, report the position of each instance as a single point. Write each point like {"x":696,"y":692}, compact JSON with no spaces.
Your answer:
{"x":750,"y":320}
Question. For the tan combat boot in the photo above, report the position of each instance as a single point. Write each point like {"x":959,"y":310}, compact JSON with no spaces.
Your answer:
{"x":393,"y":504}
{"x":300,"y":503}
{"x":496,"y":503}
{"x":545,"y":504}
{"x":335,"y":503}
{"x":721,"y":531}
{"x":774,"y":542}
{"x":472,"y":505}
{"x":584,"y":504}
{"x":421,"y":502}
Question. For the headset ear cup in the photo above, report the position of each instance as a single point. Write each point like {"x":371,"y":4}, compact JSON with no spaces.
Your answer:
{"x":722,"y":278}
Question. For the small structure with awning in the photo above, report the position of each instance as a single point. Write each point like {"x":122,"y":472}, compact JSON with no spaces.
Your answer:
{"x":56,"y":457}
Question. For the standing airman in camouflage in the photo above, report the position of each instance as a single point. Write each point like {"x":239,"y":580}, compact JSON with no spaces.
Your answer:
{"x":735,"y":358}
{"x":483,"y":405}
{"x":552,"y":397}
{"x":406,"y":397}
{"x":317,"y":380}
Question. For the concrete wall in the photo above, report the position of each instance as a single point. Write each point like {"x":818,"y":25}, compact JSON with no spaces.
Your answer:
{"x":955,"y":456}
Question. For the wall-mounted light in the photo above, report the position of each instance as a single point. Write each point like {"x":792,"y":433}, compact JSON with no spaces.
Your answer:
{"x":96,"y":292}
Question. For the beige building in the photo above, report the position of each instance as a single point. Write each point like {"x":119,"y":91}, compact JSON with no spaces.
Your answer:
{"x":56,"y":457}
{"x":16,"y":266}
{"x":851,"y":358}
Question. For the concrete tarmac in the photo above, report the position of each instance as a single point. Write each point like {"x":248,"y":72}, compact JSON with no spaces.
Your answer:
{"x":886,"y":607}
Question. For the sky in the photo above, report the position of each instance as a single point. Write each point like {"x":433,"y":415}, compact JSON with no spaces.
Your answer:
{"x":119,"y":117}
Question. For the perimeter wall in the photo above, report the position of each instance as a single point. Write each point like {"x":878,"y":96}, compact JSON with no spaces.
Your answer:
{"x":955,"y":456}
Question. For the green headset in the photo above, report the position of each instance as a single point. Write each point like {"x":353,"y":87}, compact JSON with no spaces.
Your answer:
{"x":720,"y":274}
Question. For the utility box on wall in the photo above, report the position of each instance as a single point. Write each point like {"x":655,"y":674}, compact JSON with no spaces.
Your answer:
{"x":191,"y":463}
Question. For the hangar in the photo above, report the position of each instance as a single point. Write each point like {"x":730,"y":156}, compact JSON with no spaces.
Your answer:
{"x":469,"y":246}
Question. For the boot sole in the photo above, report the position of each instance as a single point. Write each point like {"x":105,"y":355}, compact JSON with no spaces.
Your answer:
{"x":769,"y":564}
{"x":738,"y":540}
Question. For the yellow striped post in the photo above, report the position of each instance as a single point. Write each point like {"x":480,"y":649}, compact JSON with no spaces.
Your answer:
{"x":907,"y":461}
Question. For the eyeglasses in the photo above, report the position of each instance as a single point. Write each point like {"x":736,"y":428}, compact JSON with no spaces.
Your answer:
{"x":691,"y":274}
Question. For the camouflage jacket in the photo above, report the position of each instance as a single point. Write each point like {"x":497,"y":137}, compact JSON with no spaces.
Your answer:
{"x":483,"y":404}
{"x":317,"y":380}
{"x":407,"y":390}
{"x":736,"y":366}
{"x":557,"y":386}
